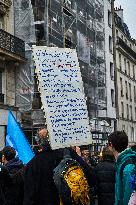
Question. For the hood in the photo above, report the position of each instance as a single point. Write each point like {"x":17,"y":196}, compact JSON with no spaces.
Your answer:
{"x":125,"y":155}
{"x":15,"y":163}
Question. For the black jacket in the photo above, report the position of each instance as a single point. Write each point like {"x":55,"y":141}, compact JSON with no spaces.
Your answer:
{"x":39,"y":185}
{"x":5,"y":183}
{"x":105,"y":178}
{"x":15,"y":168}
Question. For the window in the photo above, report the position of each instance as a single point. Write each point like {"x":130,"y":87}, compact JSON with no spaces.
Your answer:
{"x":127,"y":112}
{"x":135,"y":113}
{"x":134,"y":94}
{"x":1,"y":21}
{"x":112,"y":98}
{"x":126,"y":41}
{"x":117,"y":33}
{"x":123,"y":127}
{"x":128,"y":65}
{"x":130,"y":45}
{"x":110,"y":44}
{"x":131,"y":114}
{"x":111,"y":71}
{"x":130,"y":96}
{"x":101,"y":94}
{"x":126,"y":89}
{"x":24,"y":4}
{"x":0,"y":82}
{"x":132,"y":134}
{"x":109,"y":18}
{"x":122,"y":110}
{"x":122,"y":37}
{"x":121,"y":86}
{"x":120,"y":62}
{"x":134,"y":72}
{"x":1,"y":94}
{"x":125,"y":65}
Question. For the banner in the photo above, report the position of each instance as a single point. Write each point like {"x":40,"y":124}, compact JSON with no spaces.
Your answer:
{"x":16,"y":138}
{"x":62,"y":95}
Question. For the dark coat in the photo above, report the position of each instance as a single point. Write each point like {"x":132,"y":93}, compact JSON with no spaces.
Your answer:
{"x":39,"y":185}
{"x":5,"y":183}
{"x":16,"y":187}
{"x":105,"y":178}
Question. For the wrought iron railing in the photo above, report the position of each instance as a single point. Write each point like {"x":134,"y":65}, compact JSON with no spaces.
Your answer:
{"x":6,"y":2}
{"x":126,"y":47}
{"x":12,"y":44}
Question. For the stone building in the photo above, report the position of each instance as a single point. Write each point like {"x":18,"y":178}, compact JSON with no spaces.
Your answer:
{"x":126,"y":77}
{"x":12,"y":54}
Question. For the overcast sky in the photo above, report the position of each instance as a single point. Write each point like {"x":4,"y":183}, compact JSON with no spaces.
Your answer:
{"x":129,"y":7}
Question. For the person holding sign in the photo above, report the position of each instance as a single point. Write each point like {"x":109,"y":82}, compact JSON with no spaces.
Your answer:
{"x":39,"y":183}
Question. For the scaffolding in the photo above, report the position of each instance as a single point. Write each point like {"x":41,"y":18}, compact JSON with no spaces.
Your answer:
{"x":77,"y":24}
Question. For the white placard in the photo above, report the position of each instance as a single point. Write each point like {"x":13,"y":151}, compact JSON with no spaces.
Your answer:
{"x":62,"y":96}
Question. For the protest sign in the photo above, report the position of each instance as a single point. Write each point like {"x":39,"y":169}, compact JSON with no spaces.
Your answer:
{"x":62,"y":96}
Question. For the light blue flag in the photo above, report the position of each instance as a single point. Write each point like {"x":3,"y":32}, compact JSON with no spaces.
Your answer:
{"x":16,"y":139}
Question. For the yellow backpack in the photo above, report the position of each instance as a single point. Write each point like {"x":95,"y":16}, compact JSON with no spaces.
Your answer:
{"x":71,"y":183}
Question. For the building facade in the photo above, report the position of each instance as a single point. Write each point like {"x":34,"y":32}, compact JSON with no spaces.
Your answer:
{"x":126,"y":77}
{"x":110,"y":112}
{"x":12,"y":54}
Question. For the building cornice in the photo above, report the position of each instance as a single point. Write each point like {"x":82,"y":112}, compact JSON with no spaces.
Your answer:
{"x":129,"y":51}
{"x":127,"y":120}
{"x":8,"y":107}
{"x":123,"y":73}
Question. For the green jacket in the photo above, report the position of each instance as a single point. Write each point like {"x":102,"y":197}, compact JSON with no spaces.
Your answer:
{"x":123,"y":188}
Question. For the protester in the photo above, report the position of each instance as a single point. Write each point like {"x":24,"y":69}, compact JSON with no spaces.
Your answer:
{"x":15,"y":168}
{"x":86,"y":156}
{"x":5,"y":187}
{"x":118,"y":142}
{"x":39,"y":184}
{"x":105,"y":178}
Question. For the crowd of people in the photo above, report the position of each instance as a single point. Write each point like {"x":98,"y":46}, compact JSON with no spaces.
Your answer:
{"x":106,"y":180}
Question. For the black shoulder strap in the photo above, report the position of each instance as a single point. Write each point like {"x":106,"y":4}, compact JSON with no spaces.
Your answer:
{"x":66,"y":153}
{"x":131,"y":160}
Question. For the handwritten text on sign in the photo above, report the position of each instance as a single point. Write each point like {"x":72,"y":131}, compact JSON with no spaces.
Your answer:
{"x":62,"y":95}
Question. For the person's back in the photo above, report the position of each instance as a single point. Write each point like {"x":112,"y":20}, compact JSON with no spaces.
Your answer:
{"x":125,"y":157}
{"x":105,"y":178}
{"x":123,"y":189}
{"x":39,"y":184}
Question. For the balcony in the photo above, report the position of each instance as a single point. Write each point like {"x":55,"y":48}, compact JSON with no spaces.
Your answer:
{"x":4,"y":6}
{"x":126,"y":48}
{"x":6,"y":3}
{"x":11,"y":47}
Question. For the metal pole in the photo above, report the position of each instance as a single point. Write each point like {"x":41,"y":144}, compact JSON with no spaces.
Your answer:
{"x":46,"y":22}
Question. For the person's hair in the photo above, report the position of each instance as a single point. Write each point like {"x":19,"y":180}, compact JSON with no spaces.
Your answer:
{"x":9,"y":153}
{"x":119,"y":140}
{"x":107,"y":154}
